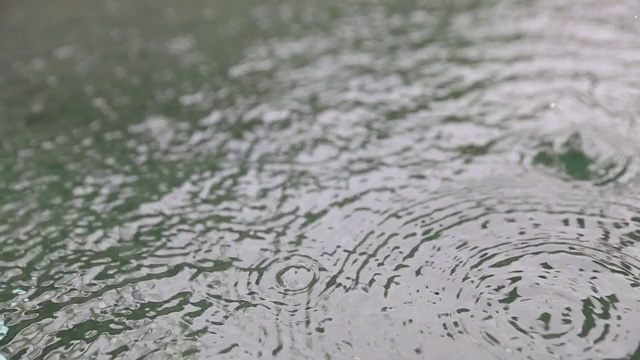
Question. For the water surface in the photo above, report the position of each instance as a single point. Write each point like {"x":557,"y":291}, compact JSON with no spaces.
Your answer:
{"x":319,"y":180}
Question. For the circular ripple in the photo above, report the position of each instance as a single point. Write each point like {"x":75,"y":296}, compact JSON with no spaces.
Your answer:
{"x":575,"y":156}
{"x":285,"y":281}
{"x":296,"y":279}
{"x":534,"y":267}
{"x":580,"y":153}
{"x":393,"y":228}
{"x":536,"y":277}
{"x":578,"y":299}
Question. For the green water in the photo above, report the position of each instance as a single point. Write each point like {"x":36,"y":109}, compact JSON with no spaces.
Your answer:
{"x":319,"y":180}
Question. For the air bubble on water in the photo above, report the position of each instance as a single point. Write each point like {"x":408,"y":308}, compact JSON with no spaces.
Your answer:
{"x":552,"y":105}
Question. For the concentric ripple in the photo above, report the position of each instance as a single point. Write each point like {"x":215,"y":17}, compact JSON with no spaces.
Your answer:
{"x":524,"y":270}
{"x":579,"y":153}
{"x":577,"y":299}
{"x":540,"y":281}
{"x":285,"y":281}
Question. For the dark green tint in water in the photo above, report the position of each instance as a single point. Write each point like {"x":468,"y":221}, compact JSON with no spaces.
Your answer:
{"x":319,"y":180}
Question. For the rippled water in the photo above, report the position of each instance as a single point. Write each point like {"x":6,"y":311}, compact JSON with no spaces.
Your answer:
{"x":320,"y":180}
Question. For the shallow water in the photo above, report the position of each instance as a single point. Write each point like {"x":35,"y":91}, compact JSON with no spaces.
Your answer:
{"x":319,"y":180}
